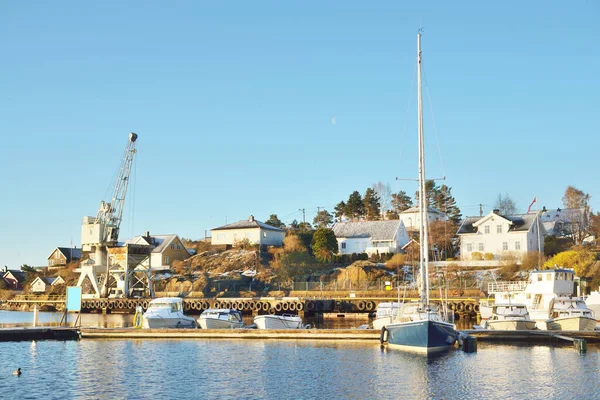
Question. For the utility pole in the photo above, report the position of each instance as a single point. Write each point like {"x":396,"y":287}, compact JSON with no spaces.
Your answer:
{"x":303,"y":215}
{"x":480,"y":210}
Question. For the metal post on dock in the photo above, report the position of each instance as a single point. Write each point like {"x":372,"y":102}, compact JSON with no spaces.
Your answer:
{"x":35,"y":315}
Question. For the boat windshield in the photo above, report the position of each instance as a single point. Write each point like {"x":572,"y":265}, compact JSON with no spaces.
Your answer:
{"x":168,"y":306}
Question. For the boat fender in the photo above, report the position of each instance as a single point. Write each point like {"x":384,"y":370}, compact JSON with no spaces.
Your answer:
{"x":137,"y":318}
{"x":383,"y":336}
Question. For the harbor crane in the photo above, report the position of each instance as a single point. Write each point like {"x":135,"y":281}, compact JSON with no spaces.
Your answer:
{"x":100,"y":234}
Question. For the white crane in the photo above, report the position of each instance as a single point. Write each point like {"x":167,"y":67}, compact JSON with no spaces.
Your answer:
{"x":103,"y":230}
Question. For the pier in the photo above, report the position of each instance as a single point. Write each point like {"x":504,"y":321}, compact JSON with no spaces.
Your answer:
{"x":38,"y":333}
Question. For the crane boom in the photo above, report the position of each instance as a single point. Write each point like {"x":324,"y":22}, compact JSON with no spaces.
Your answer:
{"x":103,"y":230}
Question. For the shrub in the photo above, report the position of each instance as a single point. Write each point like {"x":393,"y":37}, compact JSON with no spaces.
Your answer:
{"x":488,"y":256}
{"x":477,"y":256}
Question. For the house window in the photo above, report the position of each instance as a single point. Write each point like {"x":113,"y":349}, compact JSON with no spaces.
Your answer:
{"x":344,"y":245}
{"x":487,"y":229}
{"x":498,"y":228}
{"x":166,"y":260}
{"x":469,"y":246}
{"x":178,"y":247}
{"x":173,"y":246}
{"x":504,"y":246}
{"x":517,"y":245}
{"x":264,"y":234}
{"x":480,"y":246}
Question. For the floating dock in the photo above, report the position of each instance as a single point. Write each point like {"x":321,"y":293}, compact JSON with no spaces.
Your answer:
{"x":38,"y":333}
{"x":299,"y":334}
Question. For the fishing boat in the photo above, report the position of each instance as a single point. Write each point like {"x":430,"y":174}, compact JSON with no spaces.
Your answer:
{"x":537,"y":293}
{"x":220,"y":318}
{"x":166,"y":312}
{"x":284,"y":321}
{"x":420,"y":326}
{"x":570,"y":314}
{"x":510,"y":317}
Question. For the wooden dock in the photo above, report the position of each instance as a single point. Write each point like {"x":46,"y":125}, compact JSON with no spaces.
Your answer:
{"x":38,"y":333}
{"x":537,"y":336}
{"x":257,"y":334}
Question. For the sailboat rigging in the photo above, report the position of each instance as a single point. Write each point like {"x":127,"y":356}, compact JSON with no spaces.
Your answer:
{"x":421,"y":326}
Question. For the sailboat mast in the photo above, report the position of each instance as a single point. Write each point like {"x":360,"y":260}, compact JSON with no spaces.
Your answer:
{"x":423,"y":226}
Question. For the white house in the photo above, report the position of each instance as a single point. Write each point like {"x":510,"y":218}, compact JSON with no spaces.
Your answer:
{"x":500,"y":234}
{"x":412,"y":219}
{"x":255,"y":231}
{"x":370,"y":237}
{"x":42,"y":284}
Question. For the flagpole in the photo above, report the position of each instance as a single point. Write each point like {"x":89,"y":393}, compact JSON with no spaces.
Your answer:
{"x":537,"y":216}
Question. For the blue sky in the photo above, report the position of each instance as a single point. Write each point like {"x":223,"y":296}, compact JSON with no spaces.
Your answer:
{"x":234,"y":105}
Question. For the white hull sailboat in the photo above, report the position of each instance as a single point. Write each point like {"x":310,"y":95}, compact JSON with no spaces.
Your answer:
{"x":421,"y":327}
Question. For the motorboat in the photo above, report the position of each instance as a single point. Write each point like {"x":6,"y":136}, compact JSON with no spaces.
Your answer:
{"x":593,"y":303}
{"x":220,"y":318}
{"x":421,"y":327}
{"x":510,"y":317}
{"x":166,"y":312}
{"x":284,"y":321}
{"x":385,"y":314}
{"x":536,"y":293}
{"x":570,"y":314}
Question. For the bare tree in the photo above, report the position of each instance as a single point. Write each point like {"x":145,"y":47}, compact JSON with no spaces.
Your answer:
{"x":505,"y":204}
{"x":384,"y":192}
{"x":575,"y":220}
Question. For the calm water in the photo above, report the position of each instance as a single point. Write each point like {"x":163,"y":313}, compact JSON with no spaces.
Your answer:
{"x":237,"y":369}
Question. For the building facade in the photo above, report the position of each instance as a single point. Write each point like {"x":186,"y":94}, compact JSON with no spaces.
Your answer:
{"x":411,"y":217}
{"x":256,"y":232}
{"x":501,"y":235}
{"x":371,"y":237}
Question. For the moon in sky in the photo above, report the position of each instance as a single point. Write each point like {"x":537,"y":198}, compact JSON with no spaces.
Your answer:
{"x":333,"y":120}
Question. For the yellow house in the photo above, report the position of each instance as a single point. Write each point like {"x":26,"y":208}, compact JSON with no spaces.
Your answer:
{"x":167,"y":248}
{"x":42,"y":284}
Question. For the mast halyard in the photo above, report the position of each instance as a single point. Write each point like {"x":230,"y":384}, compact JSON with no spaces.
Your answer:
{"x":424,"y":224}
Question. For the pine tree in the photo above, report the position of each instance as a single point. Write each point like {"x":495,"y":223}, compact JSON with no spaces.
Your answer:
{"x":447,"y":204}
{"x":274,"y":221}
{"x":339,"y":210}
{"x":371,"y":203}
{"x":401,"y":201}
{"x":354,"y":206}
{"x":323,"y":219}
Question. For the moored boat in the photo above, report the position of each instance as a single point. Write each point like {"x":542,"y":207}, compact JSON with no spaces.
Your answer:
{"x":420,"y":327}
{"x":571,"y":314}
{"x":510,"y":317}
{"x":220,"y":318}
{"x":166,"y":312}
{"x":593,"y":303}
{"x":285,"y":321}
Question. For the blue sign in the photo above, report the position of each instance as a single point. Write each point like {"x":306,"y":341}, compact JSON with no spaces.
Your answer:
{"x":73,"y":298}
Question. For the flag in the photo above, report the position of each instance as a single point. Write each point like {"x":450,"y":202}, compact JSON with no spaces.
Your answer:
{"x":534,"y":200}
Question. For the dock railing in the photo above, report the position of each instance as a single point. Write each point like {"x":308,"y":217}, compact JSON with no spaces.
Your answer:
{"x":507,"y":286}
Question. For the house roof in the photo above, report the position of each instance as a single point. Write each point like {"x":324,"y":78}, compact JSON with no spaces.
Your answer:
{"x":70,"y":253}
{"x":16,"y":273}
{"x":518,"y":223}
{"x":160,"y":242}
{"x":431,"y":210}
{"x":248,"y":224}
{"x":376,"y":230}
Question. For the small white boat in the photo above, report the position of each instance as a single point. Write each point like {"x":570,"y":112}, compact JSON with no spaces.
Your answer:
{"x":593,"y":303}
{"x":570,"y":314}
{"x":220,"y":318}
{"x":285,"y":321}
{"x":166,"y":312}
{"x":510,"y":317}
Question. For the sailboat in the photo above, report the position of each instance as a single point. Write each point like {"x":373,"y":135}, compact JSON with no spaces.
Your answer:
{"x":420,"y":326}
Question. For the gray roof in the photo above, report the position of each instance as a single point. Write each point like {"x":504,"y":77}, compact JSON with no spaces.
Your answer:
{"x":376,"y":230}
{"x":416,"y":209}
{"x":70,"y":253}
{"x":160,"y":242}
{"x":17,"y":274}
{"x":520,"y":223}
{"x":248,"y":224}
